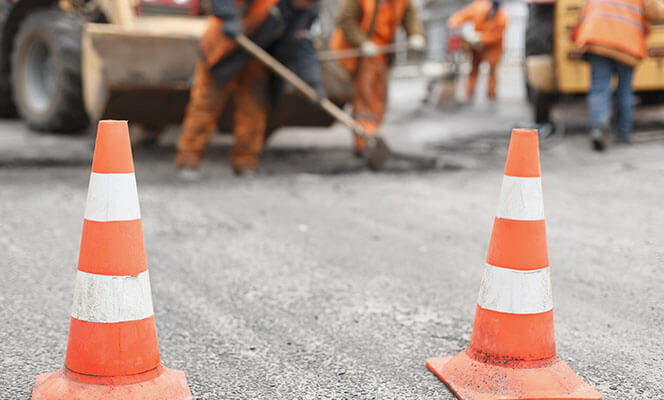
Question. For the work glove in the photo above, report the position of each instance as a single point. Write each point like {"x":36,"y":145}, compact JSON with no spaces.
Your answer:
{"x":470,"y":35}
{"x":416,"y":42}
{"x":369,"y":49}
{"x":232,"y":27}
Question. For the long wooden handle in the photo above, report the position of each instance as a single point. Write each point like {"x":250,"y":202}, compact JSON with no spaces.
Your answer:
{"x":334,"y":55}
{"x":281,"y":70}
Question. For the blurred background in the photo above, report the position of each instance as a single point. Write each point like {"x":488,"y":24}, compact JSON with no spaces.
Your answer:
{"x":317,"y":278}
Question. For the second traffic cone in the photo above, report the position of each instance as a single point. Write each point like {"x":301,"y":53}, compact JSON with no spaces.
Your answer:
{"x":112,"y":351}
{"x":512,"y":352}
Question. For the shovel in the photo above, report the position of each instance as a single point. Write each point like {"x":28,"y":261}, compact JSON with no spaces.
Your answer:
{"x":336,"y":55}
{"x":376,"y":151}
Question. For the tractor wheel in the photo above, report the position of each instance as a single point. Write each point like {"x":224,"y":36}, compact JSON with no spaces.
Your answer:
{"x":542,"y":103}
{"x":7,"y":109}
{"x":46,"y":71}
{"x":539,"y":30}
{"x":538,"y":40}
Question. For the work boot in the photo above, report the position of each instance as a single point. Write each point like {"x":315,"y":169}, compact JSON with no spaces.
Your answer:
{"x":597,"y":139}
{"x":188,"y":174}
{"x":622,"y":140}
{"x":243,"y":167}
{"x":244,"y":173}
{"x":360,"y":145}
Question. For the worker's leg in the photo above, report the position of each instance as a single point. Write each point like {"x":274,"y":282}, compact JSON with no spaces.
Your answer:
{"x":474,"y":72}
{"x":251,"y":108}
{"x":599,"y":99}
{"x":379,"y":99}
{"x":206,"y":102}
{"x":491,"y":86}
{"x":624,"y":102}
{"x":492,"y":56}
{"x":370,"y":96}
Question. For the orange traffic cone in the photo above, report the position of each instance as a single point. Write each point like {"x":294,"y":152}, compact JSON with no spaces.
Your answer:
{"x":512,"y":353}
{"x":112,"y":351}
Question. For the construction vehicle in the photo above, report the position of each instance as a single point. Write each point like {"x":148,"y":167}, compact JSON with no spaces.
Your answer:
{"x":67,"y":63}
{"x":555,"y":68}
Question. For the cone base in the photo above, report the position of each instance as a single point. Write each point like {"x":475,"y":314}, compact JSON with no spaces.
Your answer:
{"x":473,"y":380}
{"x":170,"y":384}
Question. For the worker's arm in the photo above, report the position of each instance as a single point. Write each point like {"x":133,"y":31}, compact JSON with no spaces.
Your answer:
{"x":462,"y":16}
{"x":307,"y":66}
{"x":225,"y":9}
{"x":296,"y":49}
{"x":228,"y":12}
{"x":306,"y":57}
{"x":653,"y":10}
{"x":348,"y":21}
{"x":411,"y":21}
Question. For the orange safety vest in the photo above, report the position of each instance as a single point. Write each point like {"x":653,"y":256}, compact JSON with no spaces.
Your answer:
{"x":382,"y":22}
{"x":215,"y":45}
{"x":616,"y":24}
{"x":490,"y":30}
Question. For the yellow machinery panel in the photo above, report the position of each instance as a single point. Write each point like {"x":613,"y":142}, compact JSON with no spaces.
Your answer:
{"x":649,"y":75}
{"x":573,"y":74}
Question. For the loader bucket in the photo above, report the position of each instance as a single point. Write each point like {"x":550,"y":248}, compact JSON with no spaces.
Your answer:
{"x":143,"y":72}
{"x":140,"y":72}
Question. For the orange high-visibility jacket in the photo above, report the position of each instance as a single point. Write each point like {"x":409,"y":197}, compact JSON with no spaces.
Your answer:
{"x":615,"y":29}
{"x":386,"y":19}
{"x":489,"y":30}
{"x":215,"y":45}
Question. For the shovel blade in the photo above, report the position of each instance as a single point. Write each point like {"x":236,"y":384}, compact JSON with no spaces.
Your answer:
{"x":377,"y":153}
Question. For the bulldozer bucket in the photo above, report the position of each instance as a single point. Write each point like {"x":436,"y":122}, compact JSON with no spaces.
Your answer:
{"x":143,"y":71}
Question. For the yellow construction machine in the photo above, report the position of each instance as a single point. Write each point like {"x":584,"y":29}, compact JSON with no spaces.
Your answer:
{"x":554,"y":65}
{"x":67,"y":63}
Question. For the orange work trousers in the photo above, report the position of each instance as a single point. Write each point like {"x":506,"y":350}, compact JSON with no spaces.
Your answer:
{"x":370,"y":95}
{"x":249,"y":91}
{"x":488,"y":55}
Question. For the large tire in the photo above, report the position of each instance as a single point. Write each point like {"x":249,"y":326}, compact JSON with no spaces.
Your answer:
{"x":7,"y":109}
{"x":539,"y":40}
{"x":539,"y":30}
{"x":542,"y":103}
{"x":46,"y":71}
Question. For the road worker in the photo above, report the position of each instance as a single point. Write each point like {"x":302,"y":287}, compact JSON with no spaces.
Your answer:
{"x":227,"y":72}
{"x":612,"y":35}
{"x":487,"y":22}
{"x":369,"y":25}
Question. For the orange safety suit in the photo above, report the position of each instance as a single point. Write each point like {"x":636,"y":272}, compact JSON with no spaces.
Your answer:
{"x":249,"y":89}
{"x":375,"y":20}
{"x":614,"y":29}
{"x":490,"y":30}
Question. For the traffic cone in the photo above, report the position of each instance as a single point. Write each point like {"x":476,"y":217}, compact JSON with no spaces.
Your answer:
{"x":112,"y":351}
{"x":512,"y":352}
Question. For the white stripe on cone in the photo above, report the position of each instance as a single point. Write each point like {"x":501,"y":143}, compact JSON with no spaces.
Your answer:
{"x":107,"y":298}
{"x":112,"y":197}
{"x":521,"y":199}
{"x":515,"y":292}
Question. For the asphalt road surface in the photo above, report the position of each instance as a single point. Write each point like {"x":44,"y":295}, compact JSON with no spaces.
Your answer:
{"x":319,"y":280}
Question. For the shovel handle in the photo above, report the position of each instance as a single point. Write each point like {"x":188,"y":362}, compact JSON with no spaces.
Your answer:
{"x":281,"y":70}
{"x":335,"y":55}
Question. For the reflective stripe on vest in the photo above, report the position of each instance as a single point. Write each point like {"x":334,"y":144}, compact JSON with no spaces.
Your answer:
{"x":617,"y":10}
{"x":617,"y":17}
{"x":631,"y":7}
{"x":616,"y":24}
